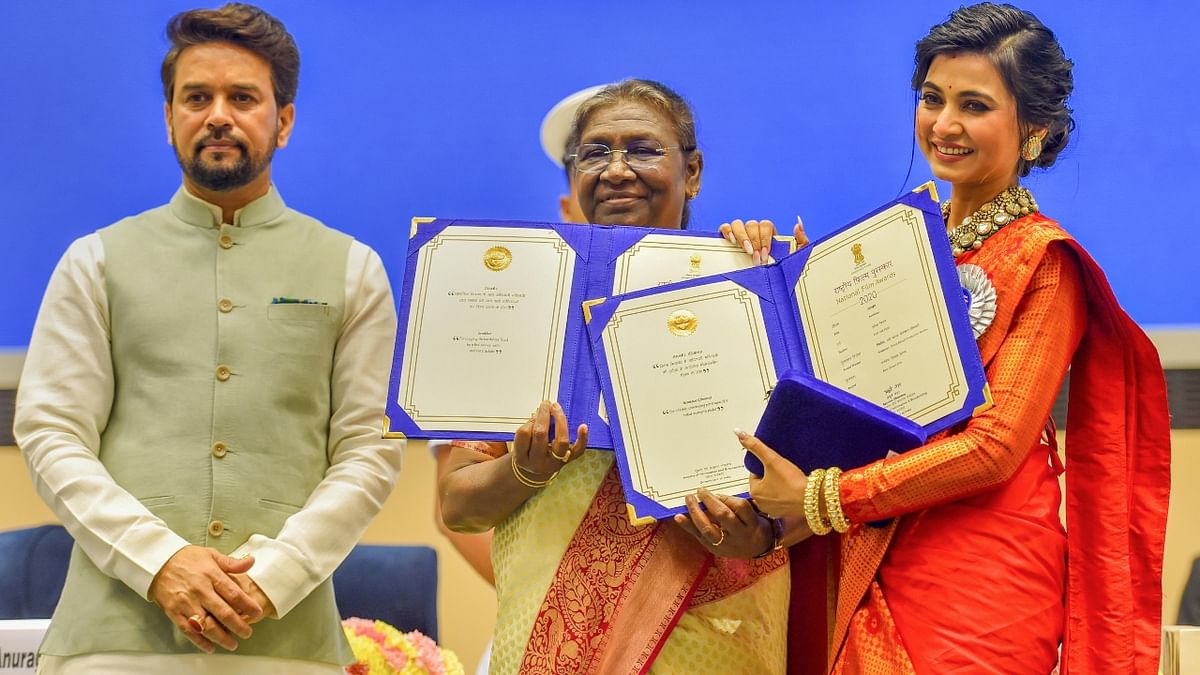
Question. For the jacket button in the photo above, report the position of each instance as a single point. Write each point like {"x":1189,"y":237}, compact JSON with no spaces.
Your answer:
{"x":225,"y":305}
{"x":216,"y":528}
{"x":223,"y":373}
{"x":225,"y":241}
{"x":219,"y":449}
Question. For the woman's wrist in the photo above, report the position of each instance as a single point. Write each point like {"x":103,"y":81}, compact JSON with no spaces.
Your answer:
{"x":773,"y":534}
{"x":530,"y":479}
{"x":795,"y":530}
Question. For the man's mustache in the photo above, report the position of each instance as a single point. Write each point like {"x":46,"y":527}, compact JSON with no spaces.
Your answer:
{"x":222,"y":137}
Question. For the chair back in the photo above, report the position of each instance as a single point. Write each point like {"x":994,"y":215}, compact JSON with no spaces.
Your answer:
{"x":396,"y":584}
{"x":33,"y":568}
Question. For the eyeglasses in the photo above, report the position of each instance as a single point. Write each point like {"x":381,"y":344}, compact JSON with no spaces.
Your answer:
{"x":639,"y":155}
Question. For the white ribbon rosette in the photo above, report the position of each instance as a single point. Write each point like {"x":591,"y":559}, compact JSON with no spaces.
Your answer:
{"x":980,"y":295}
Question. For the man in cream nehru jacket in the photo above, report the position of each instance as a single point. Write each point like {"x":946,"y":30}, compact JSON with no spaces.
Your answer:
{"x":202,"y":400}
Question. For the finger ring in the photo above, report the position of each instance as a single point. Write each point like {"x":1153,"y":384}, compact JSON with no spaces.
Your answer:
{"x":196,"y":622}
{"x":564,"y":458}
{"x":719,"y":541}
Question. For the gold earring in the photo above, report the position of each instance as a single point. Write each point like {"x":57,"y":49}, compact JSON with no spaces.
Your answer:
{"x":692,"y":194}
{"x":1031,"y":149}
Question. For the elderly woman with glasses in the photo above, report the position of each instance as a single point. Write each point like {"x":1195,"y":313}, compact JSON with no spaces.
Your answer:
{"x":580,"y":590}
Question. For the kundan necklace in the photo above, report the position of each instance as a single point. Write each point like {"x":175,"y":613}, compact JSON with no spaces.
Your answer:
{"x":1004,"y":208}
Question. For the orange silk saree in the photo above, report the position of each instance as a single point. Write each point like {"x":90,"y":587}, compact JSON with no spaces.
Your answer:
{"x":973,"y":572}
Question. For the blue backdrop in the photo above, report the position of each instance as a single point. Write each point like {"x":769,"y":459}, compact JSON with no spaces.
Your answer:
{"x":433,"y":109}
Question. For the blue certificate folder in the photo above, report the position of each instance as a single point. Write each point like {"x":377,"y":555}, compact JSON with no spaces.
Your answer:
{"x":491,"y":321}
{"x":859,"y":342}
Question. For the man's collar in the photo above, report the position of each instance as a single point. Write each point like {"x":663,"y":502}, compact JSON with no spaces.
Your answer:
{"x":195,"y":211}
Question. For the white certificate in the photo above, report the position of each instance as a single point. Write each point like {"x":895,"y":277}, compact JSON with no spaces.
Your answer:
{"x":685,"y":366}
{"x":486,"y":327}
{"x":876,"y":319}
{"x":660,"y":259}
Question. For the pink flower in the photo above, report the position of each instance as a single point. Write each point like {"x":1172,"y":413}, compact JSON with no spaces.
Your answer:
{"x":382,"y":650}
{"x":395,"y":657}
{"x":428,"y":654}
{"x":366,"y":629}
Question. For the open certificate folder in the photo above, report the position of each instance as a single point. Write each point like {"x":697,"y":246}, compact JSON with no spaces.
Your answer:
{"x":490,"y":322}
{"x":874,"y":309}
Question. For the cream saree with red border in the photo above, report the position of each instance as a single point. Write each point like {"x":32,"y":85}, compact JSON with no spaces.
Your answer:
{"x":580,"y":590}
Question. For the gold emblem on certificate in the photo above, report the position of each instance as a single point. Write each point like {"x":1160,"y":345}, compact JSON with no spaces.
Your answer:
{"x":695,"y":262}
{"x":682,"y":322}
{"x":497,"y":258}
{"x":858,"y":256}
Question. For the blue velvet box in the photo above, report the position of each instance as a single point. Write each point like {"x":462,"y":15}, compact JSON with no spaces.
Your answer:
{"x":602,"y":264}
{"x":826,"y":395}
{"x":816,"y":425}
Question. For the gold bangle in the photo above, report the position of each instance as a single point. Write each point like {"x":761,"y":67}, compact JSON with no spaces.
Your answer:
{"x":812,"y":505}
{"x":526,"y":481}
{"x":833,"y":500}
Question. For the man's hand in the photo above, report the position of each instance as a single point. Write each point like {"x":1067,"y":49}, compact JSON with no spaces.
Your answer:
{"x":256,"y":594}
{"x":197,"y":591}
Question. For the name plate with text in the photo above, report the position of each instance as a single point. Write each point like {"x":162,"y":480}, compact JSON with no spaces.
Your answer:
{"x":19,"y":642}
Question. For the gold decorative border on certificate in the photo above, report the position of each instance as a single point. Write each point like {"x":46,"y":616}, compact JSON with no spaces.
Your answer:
{"x":931,"y":187}
{"x":912,"y":219}
{"x":629,"y":417}
{"x":417,"y":221}
{"x":587,"y":308}
{"x":624,"y":263}
{"x":416,"y":316}
{"x":635,"y":519}
{"x":789,"y":240}
{"x":387,"y":429}
{"x":987,"y":400}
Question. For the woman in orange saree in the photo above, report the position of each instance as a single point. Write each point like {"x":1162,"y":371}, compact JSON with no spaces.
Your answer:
{"x":579,"y":589}
{"x":952,"y":557}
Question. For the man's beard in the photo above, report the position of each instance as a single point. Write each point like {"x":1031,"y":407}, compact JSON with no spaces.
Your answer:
{"x":223,"y":178}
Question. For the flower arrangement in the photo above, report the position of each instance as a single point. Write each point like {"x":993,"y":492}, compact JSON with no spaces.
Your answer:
{"x":383,"y":650}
